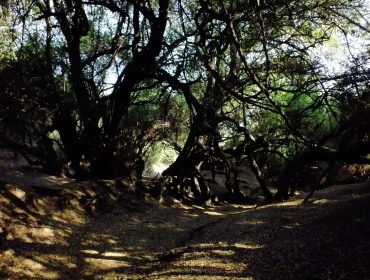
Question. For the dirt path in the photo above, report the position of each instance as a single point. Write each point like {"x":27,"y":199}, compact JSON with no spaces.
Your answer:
{"x":325,"y":239}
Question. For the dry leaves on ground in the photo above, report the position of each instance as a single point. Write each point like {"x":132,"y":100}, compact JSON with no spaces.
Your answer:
{"x":324,"y":239}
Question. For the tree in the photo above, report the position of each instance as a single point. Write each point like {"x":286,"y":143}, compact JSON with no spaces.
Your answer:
{"x":245,"y":71}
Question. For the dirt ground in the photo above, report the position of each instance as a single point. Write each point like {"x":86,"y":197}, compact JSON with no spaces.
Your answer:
{"x":88,"y":236}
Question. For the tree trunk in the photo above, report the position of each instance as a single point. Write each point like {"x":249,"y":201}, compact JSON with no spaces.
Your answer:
{"x":335,"y":167}
{"x":254,"y":166}
{"x":333,"y":171}
{"x":352,"y":155}
{"x":188,"y":158}
{"x":288,"y":174}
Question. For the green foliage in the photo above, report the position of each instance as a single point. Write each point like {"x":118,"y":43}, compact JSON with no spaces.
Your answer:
{"x":258,"y":66}
{"x":159,"y":155}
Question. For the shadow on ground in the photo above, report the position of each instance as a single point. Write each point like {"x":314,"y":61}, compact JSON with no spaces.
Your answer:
{"x":324,"y":239}
{"x":317,"y":241}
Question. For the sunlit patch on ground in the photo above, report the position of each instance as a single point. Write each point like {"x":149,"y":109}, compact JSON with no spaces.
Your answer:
{"x":248,"y":246}
{"x":212,"y":213}
{"x":27,"y":268}
{"x":250,"y":222}
{"x":223,"y":252}
{"x":96,"y":264}
{"x":322,"y":201}
{"x":210,"y":243}
{"x":57,"y":259}
{"x":18,"y":193}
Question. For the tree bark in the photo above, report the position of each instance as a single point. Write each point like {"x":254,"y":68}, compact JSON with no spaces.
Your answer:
{"x":335,"y":167}
{"x":254,"y":166}
{"x":191,"y":154}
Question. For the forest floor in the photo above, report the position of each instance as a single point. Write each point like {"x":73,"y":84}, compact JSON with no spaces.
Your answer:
{"x":45,"y":237}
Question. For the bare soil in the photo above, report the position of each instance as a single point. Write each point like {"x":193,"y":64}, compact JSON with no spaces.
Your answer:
{"x":72,"y":230}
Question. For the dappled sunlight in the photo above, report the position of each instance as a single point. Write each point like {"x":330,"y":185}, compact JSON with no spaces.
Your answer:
{"x":73,"y":217}
{"x":107,"y":263}
{"x":239,"y":206}
{"x":231,"y":209}
{"x":41,"y":235}
{"x":201,"y":276}
{"x":90,"y":252}
{"x":248,"y":246}
{"x":227,"y":245}
{"x":213,"y":213}
{"x":198,"y":207}
{"x":27,"y":267}
{"x":59,"y":260}
{"x":223,"y":252}
{"x":111,"y":241}
{"x":37,"y":244}
{"x":290,"y":203}
{"x":158,"y":242}
{"x":38,"y":252}
{"x":18,"y":193}
{"x":4,"y":200}
{"x":57,"y":218}
{"x":93,"y":240}
{"x":190,"y":215}
{"x":96,"y":264}
{"x":115,"y":254}
{"x":250,"y":222}
{"x":322,"y":201}
{"x":6,"y":257}
{"x":211,"y":263}
{"x":34,"y":233}
{"x":291,"y":226}
{"x":205,"y":261}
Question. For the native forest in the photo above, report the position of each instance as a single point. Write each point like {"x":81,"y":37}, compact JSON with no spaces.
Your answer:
{"x":185,"y":139}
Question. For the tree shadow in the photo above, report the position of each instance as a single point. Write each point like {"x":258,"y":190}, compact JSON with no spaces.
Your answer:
{"x":316,"y":244}
{"x":326,"y":239}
